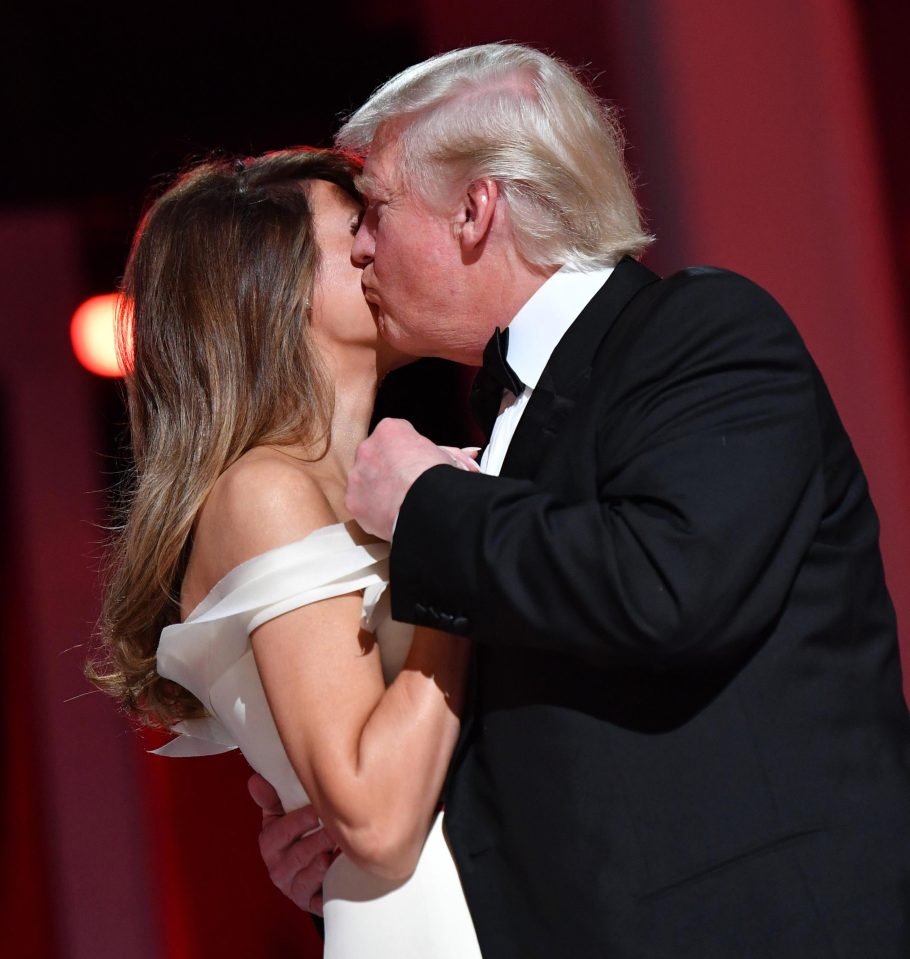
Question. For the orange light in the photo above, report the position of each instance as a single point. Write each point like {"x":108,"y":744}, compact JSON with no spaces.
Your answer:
{"x":93,"y":333}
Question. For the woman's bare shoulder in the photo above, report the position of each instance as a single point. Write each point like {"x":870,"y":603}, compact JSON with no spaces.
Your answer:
{"x":265,"y":499}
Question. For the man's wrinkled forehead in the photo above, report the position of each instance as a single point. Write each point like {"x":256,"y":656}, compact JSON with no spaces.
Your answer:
{"x":379,"y":179}
{"x":370,"y":186}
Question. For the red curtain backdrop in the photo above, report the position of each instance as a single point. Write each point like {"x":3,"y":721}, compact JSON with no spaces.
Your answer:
{"x":27,"y":926}
{"x":77,"y":798}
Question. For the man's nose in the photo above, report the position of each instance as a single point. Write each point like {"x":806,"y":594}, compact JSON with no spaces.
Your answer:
{"x":363,"y":247}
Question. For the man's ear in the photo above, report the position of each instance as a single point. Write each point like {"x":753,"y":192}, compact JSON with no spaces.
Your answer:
{"x":475,"y":216}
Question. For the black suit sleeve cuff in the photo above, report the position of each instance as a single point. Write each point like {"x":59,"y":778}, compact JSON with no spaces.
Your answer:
{"x":436,"y":552}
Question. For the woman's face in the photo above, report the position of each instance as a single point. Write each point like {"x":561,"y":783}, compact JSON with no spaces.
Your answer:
{"x":339,"y":315}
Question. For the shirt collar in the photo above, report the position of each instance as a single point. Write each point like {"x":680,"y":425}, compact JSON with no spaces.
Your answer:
{"x":541,"y":323}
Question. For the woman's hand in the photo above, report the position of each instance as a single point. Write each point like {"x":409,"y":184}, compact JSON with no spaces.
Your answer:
{"x":464,"y":457}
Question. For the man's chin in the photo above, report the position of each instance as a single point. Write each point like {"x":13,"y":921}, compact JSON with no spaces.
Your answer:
{"x":387,"y":330}
{"x":390,"y":358}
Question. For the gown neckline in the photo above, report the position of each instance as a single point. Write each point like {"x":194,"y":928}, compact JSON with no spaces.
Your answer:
{"x":273,"y":556}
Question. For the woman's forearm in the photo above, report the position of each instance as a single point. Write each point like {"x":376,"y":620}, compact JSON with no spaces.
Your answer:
{"x":405,"y":749}
{"x":375,"y":774}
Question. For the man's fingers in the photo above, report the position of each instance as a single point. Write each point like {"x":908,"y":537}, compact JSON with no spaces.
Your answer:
{"x":264,"y":796}
{"x":300,"y":871}
{"x":393,"y":427}
{"x":295,"y":848}
{"x":281,"y":832}
{"x":385,"y":467}
{"x":303,"y":871}
{"x":305,"y":888}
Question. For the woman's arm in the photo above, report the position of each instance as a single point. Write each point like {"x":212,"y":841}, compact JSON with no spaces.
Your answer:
{"x":372,"y":759}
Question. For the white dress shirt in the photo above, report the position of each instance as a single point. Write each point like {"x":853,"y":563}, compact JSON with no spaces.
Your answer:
{"x":534,"y":334}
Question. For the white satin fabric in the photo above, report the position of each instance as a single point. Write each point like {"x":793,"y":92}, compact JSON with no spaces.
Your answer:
{"x":210,"y":654}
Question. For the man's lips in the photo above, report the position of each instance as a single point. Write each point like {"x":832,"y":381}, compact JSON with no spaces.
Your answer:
{"x":374,"y":305}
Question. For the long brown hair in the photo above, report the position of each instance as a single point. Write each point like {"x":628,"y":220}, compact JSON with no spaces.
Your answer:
{"x":217,"y":285}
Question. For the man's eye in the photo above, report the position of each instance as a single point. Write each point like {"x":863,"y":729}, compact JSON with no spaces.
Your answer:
{"x":373,"y":211}
{"x":355,"y":223}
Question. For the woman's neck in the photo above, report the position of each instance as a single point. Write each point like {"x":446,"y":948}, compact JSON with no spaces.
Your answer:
{"x":356,"y":382}
{"x":355,"y":397}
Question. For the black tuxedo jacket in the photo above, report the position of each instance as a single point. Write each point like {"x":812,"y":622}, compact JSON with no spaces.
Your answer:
{"x":686,"y":736}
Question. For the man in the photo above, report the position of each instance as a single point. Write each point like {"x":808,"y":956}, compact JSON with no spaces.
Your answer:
{"x":686,"y":735}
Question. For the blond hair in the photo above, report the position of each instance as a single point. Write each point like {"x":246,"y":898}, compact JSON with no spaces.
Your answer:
{"x":218,"y":282}
{"x":524,"y":119}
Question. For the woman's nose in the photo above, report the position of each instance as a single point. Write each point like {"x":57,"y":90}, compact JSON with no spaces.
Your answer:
{"x":363,"y":248}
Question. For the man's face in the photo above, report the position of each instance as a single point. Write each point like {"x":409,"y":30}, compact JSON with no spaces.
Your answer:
{"x":413,"y":274}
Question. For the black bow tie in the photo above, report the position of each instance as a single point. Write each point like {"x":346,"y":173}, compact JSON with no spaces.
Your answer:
{"x":494,"y":376}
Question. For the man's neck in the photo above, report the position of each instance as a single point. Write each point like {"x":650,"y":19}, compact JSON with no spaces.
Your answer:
{"x":503,"y":299}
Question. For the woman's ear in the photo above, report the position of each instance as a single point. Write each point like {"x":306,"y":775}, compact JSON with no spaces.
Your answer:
{"x":475,"y":217}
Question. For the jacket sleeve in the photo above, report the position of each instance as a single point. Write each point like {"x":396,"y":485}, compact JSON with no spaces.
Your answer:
{"x":709,"y":493}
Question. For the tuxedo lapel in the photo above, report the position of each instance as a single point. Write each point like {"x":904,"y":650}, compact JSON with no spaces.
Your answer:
{"x":567,"y":376}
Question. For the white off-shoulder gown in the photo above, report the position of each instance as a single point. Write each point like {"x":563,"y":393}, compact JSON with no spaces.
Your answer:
{"x":424,"y":917}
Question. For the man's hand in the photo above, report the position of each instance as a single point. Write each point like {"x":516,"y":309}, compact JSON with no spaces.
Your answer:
{"x":386,"y":466}
{"x":294,"y":846}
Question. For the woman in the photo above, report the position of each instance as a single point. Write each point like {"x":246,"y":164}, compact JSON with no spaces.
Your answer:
{"x":255,"y":366}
